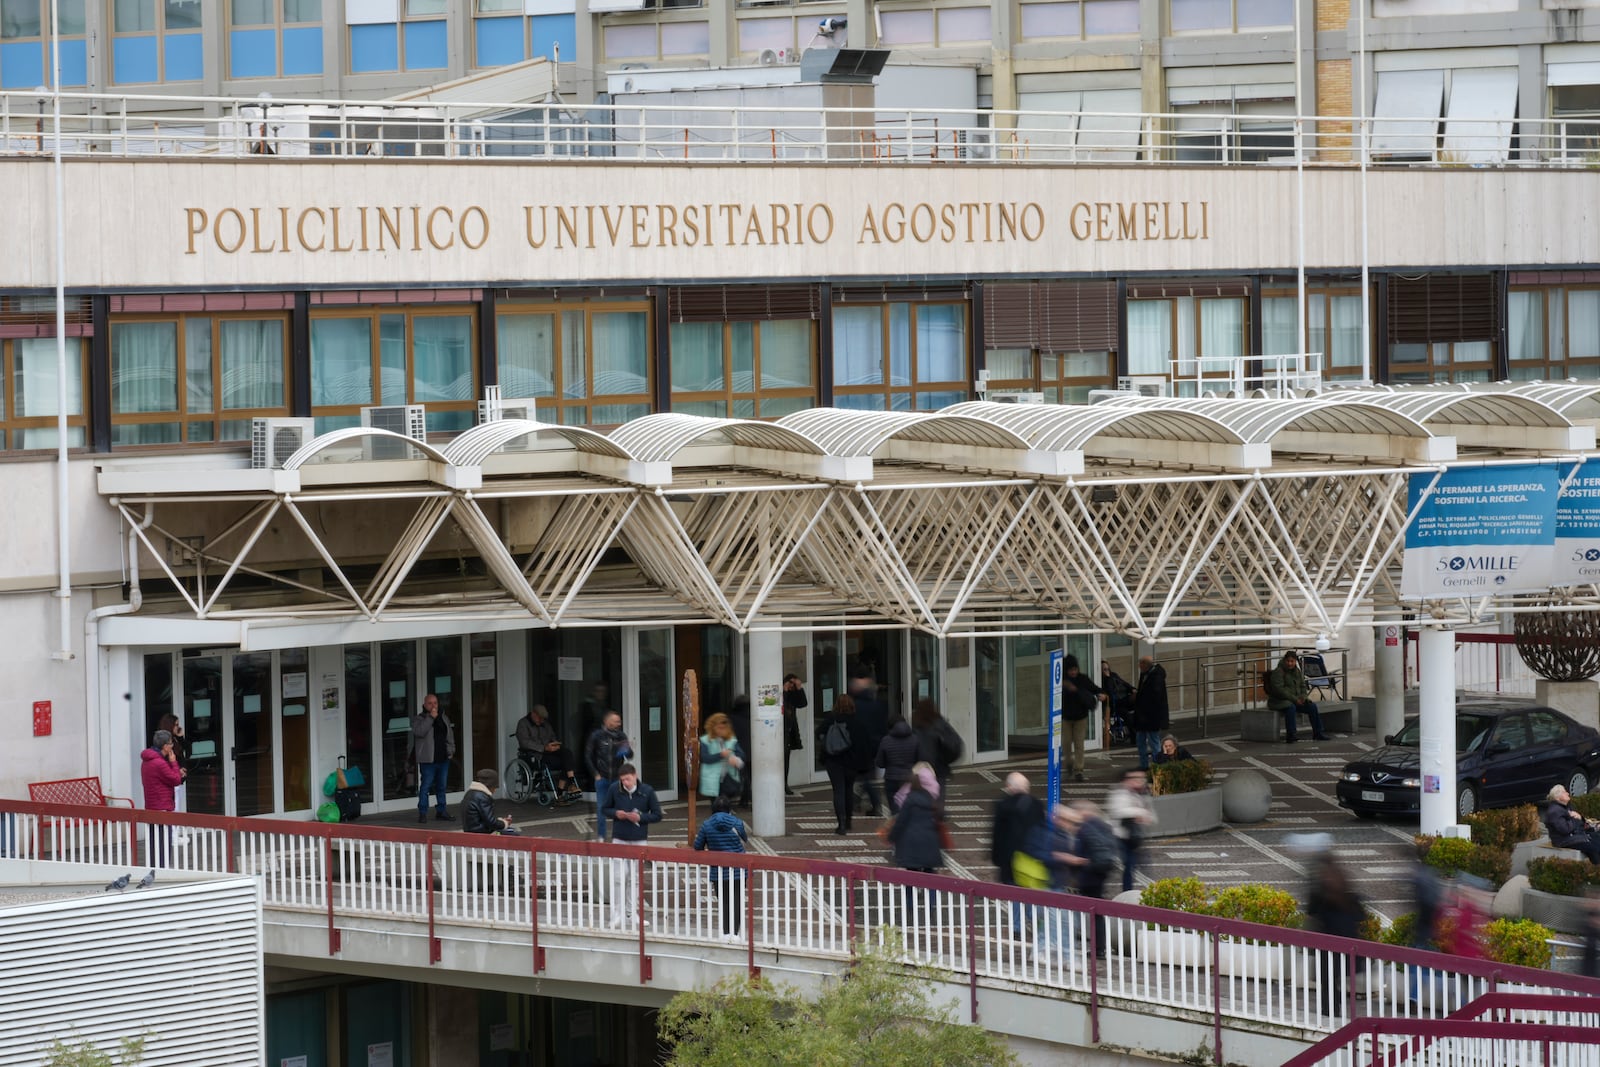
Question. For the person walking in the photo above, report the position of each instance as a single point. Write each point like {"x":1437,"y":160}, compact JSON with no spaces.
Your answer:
{"x":872,"y":718}
{"x":1333,"y":908}
{"x":739,"y":716}
{"x":631,"y":805}
{"x":1150,"y":712}
{"x":794,"y":698}
{"x":161,"y":775}
{"x":725,"y":832}
{"x":721,"y":759}
{"x":1289,"y":692}
{"x":938,"y":744}
{"x":1079,"y":699}
{"x":1132,"y":816}
{"x":914,"y":835}
{"x":840,"y":736}
{"x":897,"y":754}
{"x":607,"y":751}
{"x":433,"y":746}
{"x":1097,"y":846}
{"x":1017,"y":814}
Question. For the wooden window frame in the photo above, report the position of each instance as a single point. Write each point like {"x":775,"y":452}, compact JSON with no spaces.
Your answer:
{"x":728,"y":395}
{"x":1172,"y":372}
{"x":559,"y":405}
{"x":11,"y":422}
{"x":1556,"y":367}
{"x":1326,"y":294}
{"x":917,"y":386}
{"x":411,"y":312}
{"x":218,"y":415}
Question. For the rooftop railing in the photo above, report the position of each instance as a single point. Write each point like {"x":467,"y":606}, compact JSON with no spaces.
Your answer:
{"x":131,"y":125}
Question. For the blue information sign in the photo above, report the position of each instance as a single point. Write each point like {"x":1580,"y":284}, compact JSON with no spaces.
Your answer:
{"x":1481,"y":530}
{"x":1053,"y":786}
{"x":1578,"y":528}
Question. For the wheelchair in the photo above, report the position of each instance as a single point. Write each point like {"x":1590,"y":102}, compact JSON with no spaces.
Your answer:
{"x":525,"y":778}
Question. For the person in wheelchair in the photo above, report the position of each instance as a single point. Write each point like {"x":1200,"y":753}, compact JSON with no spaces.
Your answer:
{"x":537,"y":743}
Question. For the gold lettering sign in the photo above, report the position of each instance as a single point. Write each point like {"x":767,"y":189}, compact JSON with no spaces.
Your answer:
{"x":347,"y":228}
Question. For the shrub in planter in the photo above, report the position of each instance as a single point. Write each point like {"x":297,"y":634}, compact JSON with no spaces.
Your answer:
{"x":1372,"y":928}
{"x":1451,"y":855}
{"x":1257,"y":903}
{"x":1398,"y":932}
{"x":1503,"y":828}
{"x":1179,"y":776}
{"x":1587,"y":805}
{"x":1177,"y":894}
{"x":1519,"y":941}
{"x":1567,"y":878}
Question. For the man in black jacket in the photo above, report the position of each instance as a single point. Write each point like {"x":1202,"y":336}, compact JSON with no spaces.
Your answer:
{"x":1567,"y":828}
{"x":607,"y":751}
{"x":632,"y":806}
{"x":477,"y":807}
{"x":1079,"y":698}
{"x":1016,"y":814}
{"x":1150,"y":714}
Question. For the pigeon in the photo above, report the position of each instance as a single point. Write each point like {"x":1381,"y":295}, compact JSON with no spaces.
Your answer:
{"x":148,"y":880}
{"x":120,"y":884}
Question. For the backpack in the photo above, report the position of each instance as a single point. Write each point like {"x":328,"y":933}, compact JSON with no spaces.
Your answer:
{"x":349,"y":802}
{"x":837,"y":740}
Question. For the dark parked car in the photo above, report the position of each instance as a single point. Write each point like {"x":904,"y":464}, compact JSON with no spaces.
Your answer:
{"x":1505,"y":754}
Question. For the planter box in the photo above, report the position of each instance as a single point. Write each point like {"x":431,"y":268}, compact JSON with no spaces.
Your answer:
{"x":1565,"y":914}
{"x":1523,"y":851}
{"x":1187,"y":813}
{"x":1180,"y":948}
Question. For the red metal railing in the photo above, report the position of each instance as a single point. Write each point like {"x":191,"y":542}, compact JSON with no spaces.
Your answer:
{"x":1485,"y":663}
{"x":1239,"y":974}
{"x":1543,"y":1020}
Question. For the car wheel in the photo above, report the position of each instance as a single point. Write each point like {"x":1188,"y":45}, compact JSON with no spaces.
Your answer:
{"x":1466,"y":801}
{"x":1360,"y":814}
{"x":1578,"y":784}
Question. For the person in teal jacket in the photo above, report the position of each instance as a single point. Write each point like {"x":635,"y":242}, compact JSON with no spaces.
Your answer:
{"x":721,"y":758}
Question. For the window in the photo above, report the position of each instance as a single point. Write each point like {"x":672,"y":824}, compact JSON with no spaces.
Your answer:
{"x":419,"y":41}
{"x":746,"y":370}
{"x":589,"y":364}
{"x":156,"y":41}
{"x":1229,"y":16}
{"x":394,"y":356}
{"x":1229,"y":130}
{"x":1081,"y":18}
{"x":28,"y":388}
{"x":900,"y":356}
{"x":1442,"y":328}
{"x":1511,"y":733}
{"x":1553,"y":332}
{"x":25,"y":44}
{"x":1333,"y":327}
{"x":1187,"y":337}
{"x":504,"y":35}
{"x":274,"y":38}
{"x":756,"y":35}
{"x":1546,"y":728}
{"x":652,"y":40}
{"x":195,"y":378}
{"x":1063,"y":377}
{"x":1576,"y":109}
{"x":1055,"y":338}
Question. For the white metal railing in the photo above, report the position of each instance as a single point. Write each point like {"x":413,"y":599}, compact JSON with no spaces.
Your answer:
{"x":1139,"y":958}
{"x":124,"y":125}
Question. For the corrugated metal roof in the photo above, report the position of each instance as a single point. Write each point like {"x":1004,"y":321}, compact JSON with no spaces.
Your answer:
{"x":473,"y":446}
{"x":661,"y":437}
{"x":1057,"y":427}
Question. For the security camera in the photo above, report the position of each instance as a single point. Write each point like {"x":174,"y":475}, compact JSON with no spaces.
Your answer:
{"x":832,"y":24}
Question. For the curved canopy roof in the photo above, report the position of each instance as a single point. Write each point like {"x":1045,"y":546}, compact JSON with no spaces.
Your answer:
{"x":661,"y":437}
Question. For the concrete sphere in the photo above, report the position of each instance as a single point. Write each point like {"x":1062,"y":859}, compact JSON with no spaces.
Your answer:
{"x":1246,"y":796}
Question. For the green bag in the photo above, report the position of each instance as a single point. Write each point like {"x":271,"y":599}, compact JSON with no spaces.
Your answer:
{"x":328,"y":812}
{"x":1028,"y":871}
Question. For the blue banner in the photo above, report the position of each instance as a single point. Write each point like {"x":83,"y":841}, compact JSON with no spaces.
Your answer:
{"x":1577,"y":559}
{"x":1481,"y":530}
{"x":1052,"y":789}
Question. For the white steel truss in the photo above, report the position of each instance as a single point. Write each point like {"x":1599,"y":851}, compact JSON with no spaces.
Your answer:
{"x":1171,"y":519}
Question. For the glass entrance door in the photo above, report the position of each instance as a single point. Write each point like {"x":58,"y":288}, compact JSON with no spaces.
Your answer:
{"x":251,"y":747}
{"x":658,"y":752}
{"x":203,"y":718}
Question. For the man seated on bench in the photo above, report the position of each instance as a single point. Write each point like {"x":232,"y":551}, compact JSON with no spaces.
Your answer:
{"x":1566,"y":827}
{"x":1289,"y":692}
{"x":536,"y":741}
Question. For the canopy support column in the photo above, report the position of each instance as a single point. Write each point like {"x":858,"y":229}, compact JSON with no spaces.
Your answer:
{"x":766,"y":727}
{"x":1436,"y":662}
{"x":1389,"y":678}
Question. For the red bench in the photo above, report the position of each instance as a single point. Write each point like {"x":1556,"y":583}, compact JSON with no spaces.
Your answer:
{"x":82,"y":791}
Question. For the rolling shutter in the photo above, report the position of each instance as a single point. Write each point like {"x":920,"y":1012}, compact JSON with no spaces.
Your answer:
{"x":1051,"y":316}
{"x":738,"y":303}
{"x":1436,"y":308}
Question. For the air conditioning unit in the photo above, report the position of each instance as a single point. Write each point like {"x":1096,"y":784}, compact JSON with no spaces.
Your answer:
{"x":1016,"y":398}
{"x":408,"y":420}
{"x":1145,"y":385}
{"x":508,"y":409}
{"x":272,"y":441}
{"x":768,"y":57}
{"x":979,"y":143}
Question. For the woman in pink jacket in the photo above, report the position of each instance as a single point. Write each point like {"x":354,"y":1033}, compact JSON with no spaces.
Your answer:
{"x":160,"y":774}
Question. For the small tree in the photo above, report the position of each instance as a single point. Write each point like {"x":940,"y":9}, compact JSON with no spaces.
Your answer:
{"x":877,"y":1012}
{"x":84,"y":1054}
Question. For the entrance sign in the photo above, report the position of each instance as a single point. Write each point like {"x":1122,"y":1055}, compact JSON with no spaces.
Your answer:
{"x":1577,"y":552}
{"x":1053,"y":786}
{"x":1481,"y":530}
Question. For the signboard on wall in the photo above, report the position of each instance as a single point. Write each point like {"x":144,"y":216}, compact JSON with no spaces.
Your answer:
{"x":1481,"y":531}
{"x":1053,"y":783}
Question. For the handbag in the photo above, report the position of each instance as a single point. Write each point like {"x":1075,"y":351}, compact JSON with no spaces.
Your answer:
{"x":947,"y":840}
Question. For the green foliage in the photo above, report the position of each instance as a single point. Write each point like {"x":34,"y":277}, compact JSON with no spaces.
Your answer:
{"x":1452,"y":855}
{"x":1258,"y":903}
{"x":84,"y":1054}
{"x":1567,"y":878}
{"x":1587,"y":805}
{"x":1179,"y":776}
{"x":1177,"y":894}
{"x":1399,"y":932}
{"x":878,"y":1013}
{"x":1519,"y":941}
{"x":1504,"y":828}
{"x":1372,"y":928}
